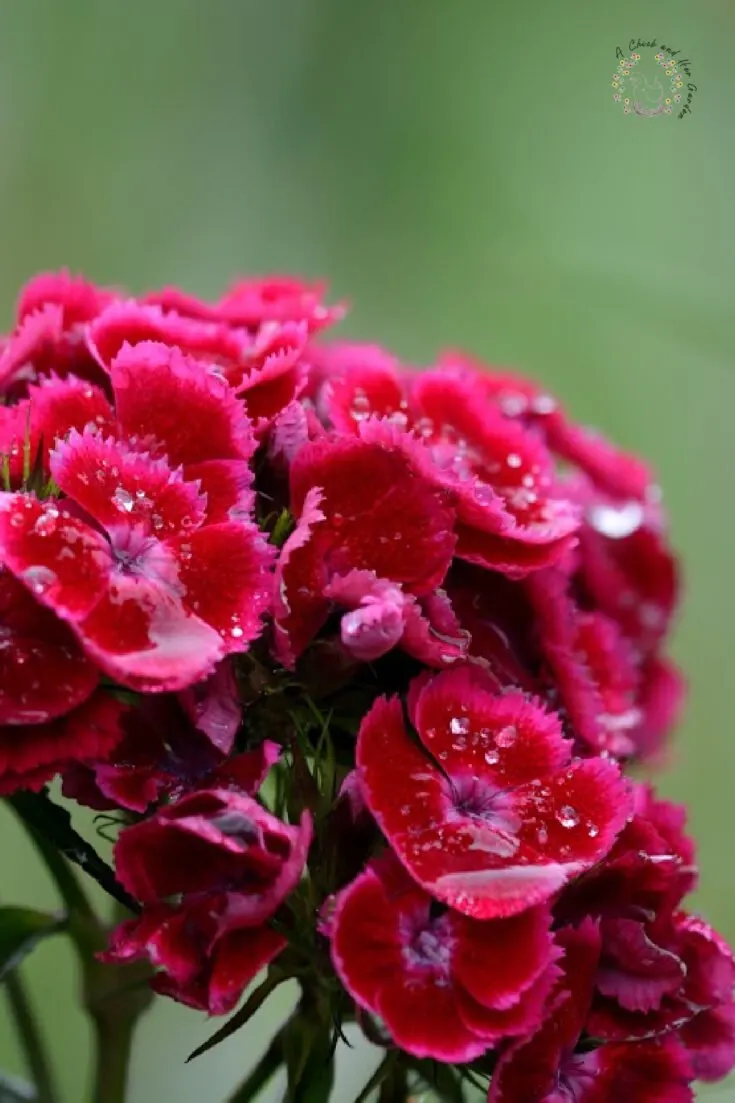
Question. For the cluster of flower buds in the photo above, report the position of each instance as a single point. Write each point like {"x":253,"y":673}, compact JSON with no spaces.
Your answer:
{"x":356,"y":656}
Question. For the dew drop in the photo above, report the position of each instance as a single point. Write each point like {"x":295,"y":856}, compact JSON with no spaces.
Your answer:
{"x":360,"y":405}
{"x":568,"y":816}
{"x":506,"y":737}
{"x":492,"y":756}
{"x":236,"y":631}
{"x":543,"y":404}
{"x":46,"y":523}
{"x":593,"y":831}
{"x":616,"y":522}
{"x":513,"y":460}
{"x":542,"y":836}
{"x":123,"y":499}
{"x":39,"y":579}
{"x":459,"y":725}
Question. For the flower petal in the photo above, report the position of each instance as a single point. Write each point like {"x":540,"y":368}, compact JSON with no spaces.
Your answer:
{"x":122,"y":488}
{"x":32,"y":754}
{"x":470,"y":728}
{"x":63,"y":562}
{"x":177,"y":403}
{"x":43,"y":674}
{"x":225,"y":573}
{"x":140,"y":633}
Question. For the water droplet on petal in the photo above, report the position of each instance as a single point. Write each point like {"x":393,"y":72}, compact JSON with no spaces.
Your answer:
{"x":39,"y":579}
{"x":492,"y":756}
{"x":542,"y":835}
{"x":236,"y":631}
{"x":506,"y":737}
{"x":46,"y":523}
{"x":123,"y":499}
{"x":568,"y":816}
{"x":543,"y":404}
{"x":616,"y":522}
{"x":593,"y":831}
{"x":459,"y":725}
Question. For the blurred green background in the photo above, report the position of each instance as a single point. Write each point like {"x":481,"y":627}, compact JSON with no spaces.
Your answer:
{"x":460,"y":172}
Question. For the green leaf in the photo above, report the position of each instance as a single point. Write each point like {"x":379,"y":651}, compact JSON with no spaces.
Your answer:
{"x":382,"y":1072}
{"x":441,"y":1079}
{"x":252,"y":1005}
{"x":282,"y":529}
{"x":54,"y":824}
{"x":20,"y":930}
{"x":13,"y":1090}
{"x":309,"y":1055}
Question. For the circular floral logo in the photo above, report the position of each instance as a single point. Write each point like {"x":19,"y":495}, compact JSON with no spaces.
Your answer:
{"x":647,"y":91}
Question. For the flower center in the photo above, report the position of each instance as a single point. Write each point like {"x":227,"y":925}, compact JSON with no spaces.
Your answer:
{"x":478,"y":799}
{"x":137,"y":553}
{"x":428,"y":944}
{"x":575,"y":1076}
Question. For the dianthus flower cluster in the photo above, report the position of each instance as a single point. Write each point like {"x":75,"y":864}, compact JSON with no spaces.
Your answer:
{"x":357,"y":659}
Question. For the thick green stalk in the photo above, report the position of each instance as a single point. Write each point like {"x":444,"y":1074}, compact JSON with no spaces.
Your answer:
{"x":265,"y":1069}
{"x":113,"y":996}
{"x":31,"y":1039}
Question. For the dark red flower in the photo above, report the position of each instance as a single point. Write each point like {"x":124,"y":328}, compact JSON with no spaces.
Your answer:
{"x":619,"y":699}
{"x":511,"y":514}
{"x":373,"y":536}
{"x":50,"y":714}
{"x":486,"y":811}
{"x":172,"y":744}
{"x":444,"y":985}
{"x":32,"y":754}
{"x":201,"y":965}
{"x":649,"y":870}
{"x":618,"y":473}
{"x":660,"y":973}
{"x":547,"y":1066}
{"x":230,"y":864}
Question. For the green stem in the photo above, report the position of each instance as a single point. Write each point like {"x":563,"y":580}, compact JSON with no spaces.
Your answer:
{"x":31,"y":1040}
{"x":111,"y":997}
{"x":113,"y":1040}
{"x":394,"y":1087}
{"x":61,"y":874}
{"x":115,"y":996}
{"x":265,"y":1069}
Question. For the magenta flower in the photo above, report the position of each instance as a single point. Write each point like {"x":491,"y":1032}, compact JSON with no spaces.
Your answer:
{"x":50,"y":710}
{"x":352,"y":659}
{"x":127,"y":558}
{"x":487,"y":812}
{"x":545,"y":1067}
{"x":230,"y":864}
{"x":444,"y":985}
